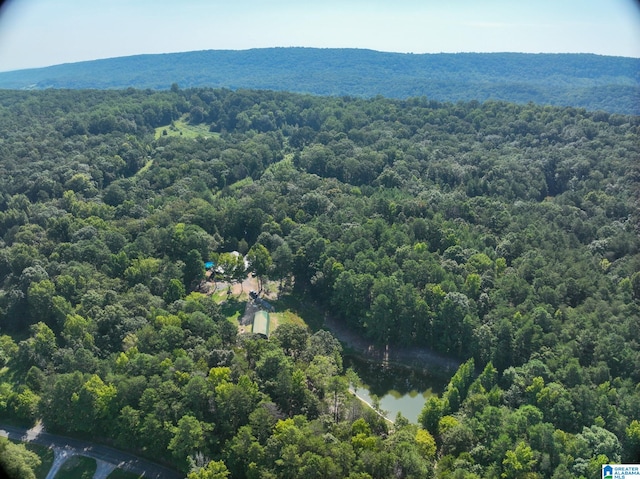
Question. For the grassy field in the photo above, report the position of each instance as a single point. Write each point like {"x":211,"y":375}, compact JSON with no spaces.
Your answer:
{"x":77,"y":467}
{"x":238,"y":185}
{"x":289,"y":309}
{"x":145,"y":168}
{"x":182,"y":128}
{"x":293,"y":309}
{"x":285,"y":317}
{"x":46,"y":456}
{"x":232,"y":308}
{"x":120,"y":474}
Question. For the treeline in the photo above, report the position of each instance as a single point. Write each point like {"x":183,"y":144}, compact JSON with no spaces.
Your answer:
{"x":595,"y":82}
{"x":494,"y":232}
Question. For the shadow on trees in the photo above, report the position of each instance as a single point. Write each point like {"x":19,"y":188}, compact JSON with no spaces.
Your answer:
{"x":303,"y":307}
{"x":232,"y":307}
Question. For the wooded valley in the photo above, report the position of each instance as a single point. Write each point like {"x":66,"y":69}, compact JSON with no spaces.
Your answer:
{"x":503,"y":235}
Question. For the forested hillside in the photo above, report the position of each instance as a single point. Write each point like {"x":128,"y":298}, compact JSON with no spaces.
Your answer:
{"x":504,"y":235}
{"x":589,"y":81}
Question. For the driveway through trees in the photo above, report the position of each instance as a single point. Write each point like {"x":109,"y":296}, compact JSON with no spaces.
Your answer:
{"x":70,"y":447}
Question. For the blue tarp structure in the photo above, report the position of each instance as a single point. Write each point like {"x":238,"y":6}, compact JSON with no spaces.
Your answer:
{"x":209,"y":264}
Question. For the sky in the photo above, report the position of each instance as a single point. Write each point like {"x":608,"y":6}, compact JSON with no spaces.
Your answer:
{"x":36,"y":33}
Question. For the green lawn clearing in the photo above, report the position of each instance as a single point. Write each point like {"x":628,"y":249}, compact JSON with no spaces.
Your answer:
{"x":77,"y":467}
{"x":145,"y":168}
{"x":293,"y":309}
{"x":184,"y":129}
{"x":120,"y":474}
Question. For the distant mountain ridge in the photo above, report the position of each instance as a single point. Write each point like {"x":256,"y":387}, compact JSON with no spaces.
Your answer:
{"x":590,"y":81}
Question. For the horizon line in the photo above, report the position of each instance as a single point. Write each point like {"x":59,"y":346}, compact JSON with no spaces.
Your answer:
{"x":292,"y":47}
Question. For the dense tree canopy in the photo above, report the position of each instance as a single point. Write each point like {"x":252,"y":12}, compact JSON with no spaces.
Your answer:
{"x":503,"y":235}
{"x":581,"y":80}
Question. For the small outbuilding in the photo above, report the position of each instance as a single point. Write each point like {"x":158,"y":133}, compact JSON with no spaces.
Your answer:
{"x":261,"y":323}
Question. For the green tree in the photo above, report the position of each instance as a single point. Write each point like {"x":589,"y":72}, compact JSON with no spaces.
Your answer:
{"x":58,"y":407}
{"x":8,"y":349}
{"x":128,"y":426}
{"x":41,"y":346}
{"x":35,"y":379}
{"x":472,"y":285}
{"x":632,"y":442}
{"x":292,"y":338}
{"x":78,"y":332}
{"x":213,"y":470}
{"x":519,"y":463}
{"x":17,"y":461}
{"x":94,"y":405}
{"x":175,"y":291}
{"x":40,"y":299}
{"x":188,"y":438}
{"x":141,"y":270}
{"x":24,"y":404}
{"x":259,"y":261}
{"x":193,"y":269}
{"x":635,"y":285}
{"x":319,"y":373}
{"x":601,"y":442}
{"x":337,"y":389}
{"x":235,"y":404}
{"x":431,"y":414}
{"x":282,"y":263}
{"x":426,"y":443}
{"x":459,"y":385}
{"x":232,"y":267}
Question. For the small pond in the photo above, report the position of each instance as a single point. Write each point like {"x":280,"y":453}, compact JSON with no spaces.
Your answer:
{"x":397,"y":388}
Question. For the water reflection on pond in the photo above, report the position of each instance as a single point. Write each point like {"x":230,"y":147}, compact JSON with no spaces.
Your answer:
{"x":398,"y":389}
